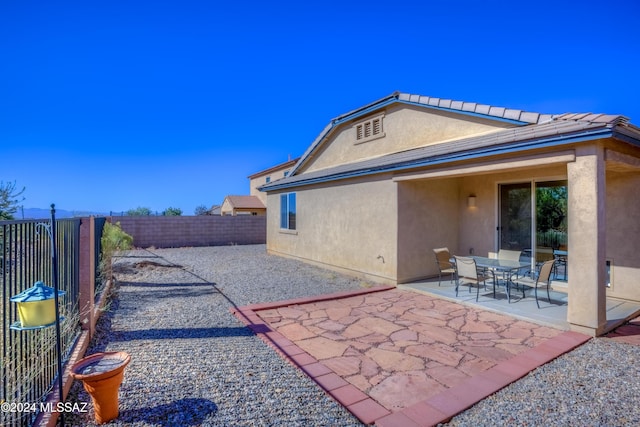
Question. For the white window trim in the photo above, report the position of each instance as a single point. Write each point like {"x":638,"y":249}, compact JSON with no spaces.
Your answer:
{"x":360,"y":128}
{"x":288,"y":228}
{"x":287,"y":231}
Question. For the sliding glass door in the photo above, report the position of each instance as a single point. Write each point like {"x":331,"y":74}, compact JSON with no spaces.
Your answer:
{"x":515,"y":216}
{"x":533,"y":219}
{"x":551,"y":225}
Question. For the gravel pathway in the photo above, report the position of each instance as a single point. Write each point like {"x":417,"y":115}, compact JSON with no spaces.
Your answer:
{"x":194,"y":364}
{"x":597,"y":384}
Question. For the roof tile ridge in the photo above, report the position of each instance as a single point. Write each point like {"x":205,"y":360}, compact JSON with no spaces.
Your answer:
{"x":474,"y":107}
{"x":610,"y":119}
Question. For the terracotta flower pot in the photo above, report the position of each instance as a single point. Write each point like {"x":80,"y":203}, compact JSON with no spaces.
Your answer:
{"x":101,"y":374}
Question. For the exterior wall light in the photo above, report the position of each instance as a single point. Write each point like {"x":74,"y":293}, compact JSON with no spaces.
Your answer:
{"x":471,"y":201}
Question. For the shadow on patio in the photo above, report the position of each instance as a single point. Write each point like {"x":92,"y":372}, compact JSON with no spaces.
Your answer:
{"x":552,"y":314}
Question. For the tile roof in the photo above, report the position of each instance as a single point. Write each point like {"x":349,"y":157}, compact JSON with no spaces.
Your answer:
{"x":472,"y":107}
{"x":489,"y":111}
{"x":288,"y":163}
{"x":539,"y":129}
{"x":517,"y":117}
{"x":245,"y":202}
{"x":505,"y":113}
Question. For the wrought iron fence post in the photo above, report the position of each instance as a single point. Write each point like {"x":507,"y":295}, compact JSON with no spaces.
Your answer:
{"x":54,"y":272}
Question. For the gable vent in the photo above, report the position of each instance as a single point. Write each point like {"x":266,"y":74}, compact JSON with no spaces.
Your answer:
{"x":369,"y":129}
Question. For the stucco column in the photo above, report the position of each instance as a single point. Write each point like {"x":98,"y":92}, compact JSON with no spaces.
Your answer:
{"x":586,"y":266}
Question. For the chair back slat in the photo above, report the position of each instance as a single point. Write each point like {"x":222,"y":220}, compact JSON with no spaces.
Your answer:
{"x":545,"y":271}
{"x":509,"y":255}
{"x":467,"y":267}
{"x":442,"y":258}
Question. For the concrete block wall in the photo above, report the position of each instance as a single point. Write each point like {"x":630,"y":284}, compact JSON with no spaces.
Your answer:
{"x":182,"y":231}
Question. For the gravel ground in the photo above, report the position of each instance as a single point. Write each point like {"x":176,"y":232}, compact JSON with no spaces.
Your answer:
{"x":194,"y":364}
{"x":597,"y":384}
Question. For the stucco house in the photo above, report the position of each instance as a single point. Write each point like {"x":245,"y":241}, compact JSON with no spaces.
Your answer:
{"x":242,"y":205}
{"x":383,"y":185}
{"x":269,"y":175}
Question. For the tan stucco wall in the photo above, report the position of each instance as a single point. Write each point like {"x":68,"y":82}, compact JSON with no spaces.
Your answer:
{"x":428,"y":218}
{"x":226,"y":208}
{"x":350,"y":227}
{"x":623,"y":233}
{"x":262,"y":180}
{"x":405,"y":127}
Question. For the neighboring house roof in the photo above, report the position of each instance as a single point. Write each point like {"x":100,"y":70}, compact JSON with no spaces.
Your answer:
{"x":533,"y":129}
{"x":245,"y":202}
{"x":287,"y":164}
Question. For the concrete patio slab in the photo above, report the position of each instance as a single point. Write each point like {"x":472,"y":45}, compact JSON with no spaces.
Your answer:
{"x":395,"y":357}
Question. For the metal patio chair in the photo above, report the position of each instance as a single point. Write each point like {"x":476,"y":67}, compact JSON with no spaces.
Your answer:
{"x":443,"y":260}
{"x":467,"y":269}
{"x":542,"y":278}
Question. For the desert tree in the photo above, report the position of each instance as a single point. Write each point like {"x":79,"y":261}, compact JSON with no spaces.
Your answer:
{"x":10,"y":197}
{"x":202,"y":210}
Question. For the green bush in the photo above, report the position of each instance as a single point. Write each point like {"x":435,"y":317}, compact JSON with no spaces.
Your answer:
{"x":139,"y":211}
{"x":172,"y":212}
{"x":113,"y":240}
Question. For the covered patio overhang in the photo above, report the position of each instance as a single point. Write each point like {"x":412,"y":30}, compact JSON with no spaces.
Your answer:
{"x":602,"y":287}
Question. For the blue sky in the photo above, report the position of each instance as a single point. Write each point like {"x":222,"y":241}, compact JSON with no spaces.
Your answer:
{"x":109,"y":106}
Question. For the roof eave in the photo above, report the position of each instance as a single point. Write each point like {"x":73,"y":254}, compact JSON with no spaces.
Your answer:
{"x":629,"y":134}
{"x":274,"y":168}
{"x":514,"y":147}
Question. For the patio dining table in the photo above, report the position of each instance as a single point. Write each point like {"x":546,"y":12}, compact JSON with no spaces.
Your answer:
{"x":505,"y":267}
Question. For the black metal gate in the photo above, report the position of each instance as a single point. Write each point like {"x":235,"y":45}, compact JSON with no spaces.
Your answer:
{"x":29,"y":357}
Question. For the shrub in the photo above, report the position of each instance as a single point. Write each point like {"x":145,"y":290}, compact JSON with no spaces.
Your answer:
{"x":172,"y":212}
{"x":139,"y":211}
{"x":113,"y":239}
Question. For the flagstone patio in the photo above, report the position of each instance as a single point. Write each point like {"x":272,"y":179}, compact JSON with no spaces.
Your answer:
{"x":397,"y":357}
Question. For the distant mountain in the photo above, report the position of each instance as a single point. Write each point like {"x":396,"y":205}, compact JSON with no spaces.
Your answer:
{"x":38,"y":213}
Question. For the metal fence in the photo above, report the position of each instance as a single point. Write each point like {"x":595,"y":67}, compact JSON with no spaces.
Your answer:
{"x":552,"y":239}
{"x":29,"y":357}
{"x":97,"y":232}
{"x":522,"y":240}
